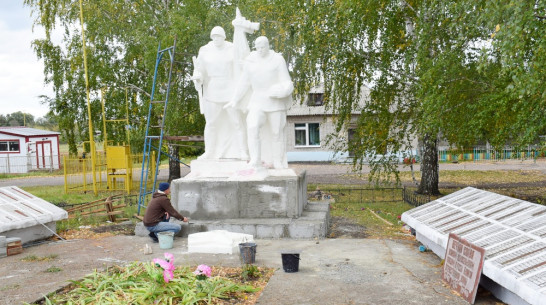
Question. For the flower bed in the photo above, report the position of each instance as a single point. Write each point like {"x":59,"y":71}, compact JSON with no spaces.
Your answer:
{"x":160,"y":282}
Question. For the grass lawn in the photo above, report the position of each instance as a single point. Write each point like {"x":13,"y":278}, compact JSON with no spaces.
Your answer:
{"x":374,"y":209}
{"x":367,"y":207}
{"x":474,"y":177}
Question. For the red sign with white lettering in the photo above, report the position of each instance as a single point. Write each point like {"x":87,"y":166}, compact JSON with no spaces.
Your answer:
{"x":463,"y":266}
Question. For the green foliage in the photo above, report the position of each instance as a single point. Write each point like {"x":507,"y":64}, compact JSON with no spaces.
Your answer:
{"x":56,"y":195}
{"x":142,"y":283}
{"x":250,"y":271}
{"x":363,"y":214}
{"x":53,"y":269}
{"x":17,"y":119}
{"x":31,"y":174}
{"x":121,"y":43}
{"x":34,"y":258}
{"x":463,"y":70}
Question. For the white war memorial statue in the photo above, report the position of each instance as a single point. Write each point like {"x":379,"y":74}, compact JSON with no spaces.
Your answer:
{"x":244,"y":97}
{"x":242,"y":182}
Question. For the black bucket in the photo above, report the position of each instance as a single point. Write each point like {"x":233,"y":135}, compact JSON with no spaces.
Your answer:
{"x":248,"y":252}
{"x":290,"y":262}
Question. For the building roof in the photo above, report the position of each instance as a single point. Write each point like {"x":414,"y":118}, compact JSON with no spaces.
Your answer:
{"x":27,"y":131}
{"x":300,"y":108}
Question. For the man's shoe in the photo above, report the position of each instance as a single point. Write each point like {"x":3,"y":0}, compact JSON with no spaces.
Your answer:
{"x":153,"y":237}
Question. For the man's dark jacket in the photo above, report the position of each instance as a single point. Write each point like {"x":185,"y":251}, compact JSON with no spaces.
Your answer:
{"x":155,"y":212}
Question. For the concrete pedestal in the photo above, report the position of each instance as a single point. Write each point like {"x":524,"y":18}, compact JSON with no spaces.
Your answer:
{"x":265,"y":203}
{"x":221,"y":198}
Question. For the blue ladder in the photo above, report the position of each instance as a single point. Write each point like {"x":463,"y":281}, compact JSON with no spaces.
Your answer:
{"x":153,"y":143}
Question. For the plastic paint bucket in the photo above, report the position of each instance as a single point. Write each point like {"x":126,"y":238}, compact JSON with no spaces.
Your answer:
{"x":248,"y":253}
{"x":165,"y":240}
{"x":290,"y":262}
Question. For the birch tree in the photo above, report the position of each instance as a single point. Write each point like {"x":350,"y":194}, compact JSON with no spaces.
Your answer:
{"x":462,"y":70}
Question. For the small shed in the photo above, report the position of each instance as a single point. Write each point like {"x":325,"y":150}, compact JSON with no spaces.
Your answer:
{"x":26,"y":216}
{"x":23,"y":149}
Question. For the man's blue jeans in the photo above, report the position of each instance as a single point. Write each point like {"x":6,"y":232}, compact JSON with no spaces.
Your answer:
{"x":165,"y":226}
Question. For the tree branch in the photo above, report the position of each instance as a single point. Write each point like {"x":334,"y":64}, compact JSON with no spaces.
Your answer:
{"x":141,"y":72}
{"x":139,"y":89}
{"x":540,"y":17}
{"x":408,"y":5}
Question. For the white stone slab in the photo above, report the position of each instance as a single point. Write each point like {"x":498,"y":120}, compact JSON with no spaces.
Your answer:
{"x":218,"y":241}
{"x":512,"y":231}
{"x":20,"y":209}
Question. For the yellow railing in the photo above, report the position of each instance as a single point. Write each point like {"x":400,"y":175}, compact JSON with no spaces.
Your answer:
{"x":78,"y":174}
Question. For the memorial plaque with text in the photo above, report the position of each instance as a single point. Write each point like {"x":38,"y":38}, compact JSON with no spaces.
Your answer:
{"x":463,"y":266}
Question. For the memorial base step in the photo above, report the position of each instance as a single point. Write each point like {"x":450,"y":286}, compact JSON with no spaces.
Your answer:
{"x":313,"y":223}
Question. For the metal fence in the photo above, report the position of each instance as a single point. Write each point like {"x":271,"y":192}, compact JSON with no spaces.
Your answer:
{"x":79,"y":174}
{"x":14,"y":164}
{"x":486,"y":154}
{"x":411,"y":197}
{"x":363,"y":195}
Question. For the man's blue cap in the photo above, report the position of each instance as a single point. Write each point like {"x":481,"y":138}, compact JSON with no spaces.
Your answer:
{"x":163,"y":186}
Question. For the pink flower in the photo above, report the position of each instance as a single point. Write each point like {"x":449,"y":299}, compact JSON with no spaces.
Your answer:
{"x":203,"y":270}
{"x":167,"y":265}
{"x":169,"y":257}
{"x":163,"y":264}
{"x":168,"y":275}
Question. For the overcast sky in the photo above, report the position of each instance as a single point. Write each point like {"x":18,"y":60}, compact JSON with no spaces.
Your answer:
{"x":21,"y":74}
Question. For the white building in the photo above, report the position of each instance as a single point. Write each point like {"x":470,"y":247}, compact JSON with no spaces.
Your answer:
{"x":308,"y":126}
{"x":23,"y":149}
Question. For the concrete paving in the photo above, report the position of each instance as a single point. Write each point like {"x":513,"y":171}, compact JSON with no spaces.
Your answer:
{"x":331,"y":271}
{"x":355,"y":271}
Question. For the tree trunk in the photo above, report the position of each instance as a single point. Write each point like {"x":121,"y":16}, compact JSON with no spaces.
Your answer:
{"x":71,"y":140}
{"x":429,"y":167}
{"x":174,"y":165}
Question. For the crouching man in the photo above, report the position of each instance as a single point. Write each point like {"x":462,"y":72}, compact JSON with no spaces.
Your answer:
{"x":159,"y":212}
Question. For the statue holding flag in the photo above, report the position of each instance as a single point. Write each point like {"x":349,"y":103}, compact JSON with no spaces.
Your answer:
{"x":216,"y":71}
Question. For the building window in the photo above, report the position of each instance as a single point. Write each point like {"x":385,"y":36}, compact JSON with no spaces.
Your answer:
{"x":315,"y":99}
{"x":9,"y":146}
{"x":307,"y":134}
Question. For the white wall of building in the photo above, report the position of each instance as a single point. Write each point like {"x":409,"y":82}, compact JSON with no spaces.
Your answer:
{"x":35,"y":153}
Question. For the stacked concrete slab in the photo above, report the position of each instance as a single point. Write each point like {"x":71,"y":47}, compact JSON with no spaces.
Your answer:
{"x":512,"y":231}
{"x":270,"y":204}
{"x":25,"y":216}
